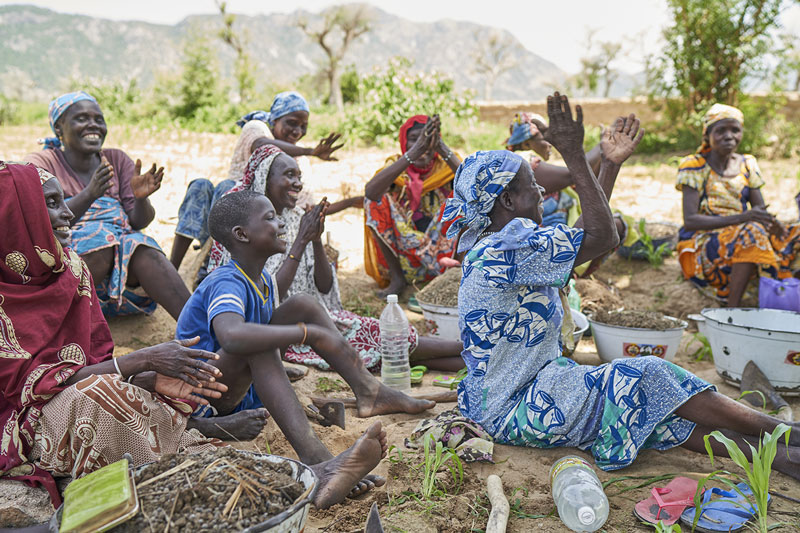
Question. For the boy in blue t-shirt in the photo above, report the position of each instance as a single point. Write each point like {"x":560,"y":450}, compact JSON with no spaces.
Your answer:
{"x":233,"y":312}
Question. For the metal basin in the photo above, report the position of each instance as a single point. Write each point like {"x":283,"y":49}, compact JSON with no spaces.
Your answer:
{"x":769,"y":337}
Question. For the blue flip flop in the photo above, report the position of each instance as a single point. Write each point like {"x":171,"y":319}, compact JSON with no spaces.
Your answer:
{"x":730,"y":512}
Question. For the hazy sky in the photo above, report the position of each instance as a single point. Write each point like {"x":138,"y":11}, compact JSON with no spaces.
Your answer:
{"x":554,"y":30}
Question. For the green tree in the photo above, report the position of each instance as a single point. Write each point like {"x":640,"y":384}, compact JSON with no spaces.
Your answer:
{"x":596,"y":65}
{"x":198,"y":87}
{"x":243,"y":67}
{"x":710,"y":46}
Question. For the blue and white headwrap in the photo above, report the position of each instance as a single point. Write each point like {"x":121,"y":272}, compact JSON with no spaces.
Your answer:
{"x":57,"y":108}
{"x":258,"y":114}
{"x":285,"y":103}
{"x":479,"y":181}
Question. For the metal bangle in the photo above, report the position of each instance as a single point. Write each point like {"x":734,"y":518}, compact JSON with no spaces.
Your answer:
{"x":116,"y":365}
{"x":305,"y":332}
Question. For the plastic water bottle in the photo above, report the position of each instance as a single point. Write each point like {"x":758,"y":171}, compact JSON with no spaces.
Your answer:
{"x":395,"y":371}
{"x":581,"y":502}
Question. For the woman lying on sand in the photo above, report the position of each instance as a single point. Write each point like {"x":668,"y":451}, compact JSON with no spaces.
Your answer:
{"x":304,"y":268}
{"x":404,"y":239}
{"x":108,"y":194}
{"x":518,"y":387}
{"x":67,"y":407}
{"x":723,"y":243}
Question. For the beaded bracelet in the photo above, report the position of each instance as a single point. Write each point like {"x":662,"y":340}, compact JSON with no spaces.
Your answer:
{"x":292,"y":256}
{"x":449,"y":155}
{"x":410,"y":162}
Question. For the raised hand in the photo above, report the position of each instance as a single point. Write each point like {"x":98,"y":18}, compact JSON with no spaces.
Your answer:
{"x":101,"y":179}
{"x":326,"y":147}
{"x":620,"y":140}
{"x":426,"y":142}
{"x":175,"y":388}
{"x":144,"y":185}
{"x":312,"y":223}
{"x":175,"y":359}
{"x":564,"y":132}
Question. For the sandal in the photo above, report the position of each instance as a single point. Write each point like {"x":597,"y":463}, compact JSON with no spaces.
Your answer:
{"x":729,"y":513}
{"x":450,"y":382}
{"x":413,"y":304}
{"x":666,"y":504}
{"x":416,"y":374}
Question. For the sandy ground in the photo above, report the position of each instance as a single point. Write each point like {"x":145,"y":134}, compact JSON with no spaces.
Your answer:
{"x":644,"y":189}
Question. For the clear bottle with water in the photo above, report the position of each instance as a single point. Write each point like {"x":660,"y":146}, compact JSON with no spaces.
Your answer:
{"x":395,"y":370}
{"x":582,"y":504}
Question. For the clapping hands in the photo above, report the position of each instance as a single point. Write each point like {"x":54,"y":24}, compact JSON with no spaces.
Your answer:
{"x":312,"y":224}
{"x":144,"y":185}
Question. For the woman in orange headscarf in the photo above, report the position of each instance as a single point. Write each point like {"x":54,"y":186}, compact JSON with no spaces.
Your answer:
{"x":404,"y":238}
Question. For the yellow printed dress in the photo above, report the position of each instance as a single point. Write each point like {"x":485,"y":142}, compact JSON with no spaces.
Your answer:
{"x":706,"y":257}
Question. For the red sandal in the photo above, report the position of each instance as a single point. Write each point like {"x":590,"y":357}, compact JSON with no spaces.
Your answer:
{"x":666,"y":504}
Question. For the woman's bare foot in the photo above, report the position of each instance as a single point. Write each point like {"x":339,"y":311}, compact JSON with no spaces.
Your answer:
{"x":396,"y":286}
{"x":341,"y":476}
{"x":385,"y":400}
{"x":244,"y":425}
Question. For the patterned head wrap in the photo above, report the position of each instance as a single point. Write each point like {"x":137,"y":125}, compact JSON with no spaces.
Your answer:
{"x":479,"y":181}
{"x":523,"y":128}
{"x":57,"y":108}
{"x":715,"y":114}
{"x":285,"y":103}
{"x":254,"y":179}
{"x":258,"y":114}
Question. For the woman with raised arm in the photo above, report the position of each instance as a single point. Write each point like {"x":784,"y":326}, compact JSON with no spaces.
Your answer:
{"x":518,"y":387}
{"x":109,"y":195}
{"x":283,"y":126}
{"x":404,"y":238}
{"x":727,"y":235}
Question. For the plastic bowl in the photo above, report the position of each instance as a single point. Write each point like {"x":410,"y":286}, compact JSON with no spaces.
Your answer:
{"x":617,"y":342}
{"x":445,"y":318}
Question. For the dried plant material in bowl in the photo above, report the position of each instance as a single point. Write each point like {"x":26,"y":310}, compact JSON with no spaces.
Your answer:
{"x":636,"y":319}
{"x":622,"y":334}
{"x":443,"y":290}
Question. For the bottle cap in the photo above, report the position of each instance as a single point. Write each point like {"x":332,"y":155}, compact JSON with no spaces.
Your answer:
{"x":392,"y":299}
{"x":586,"y":515}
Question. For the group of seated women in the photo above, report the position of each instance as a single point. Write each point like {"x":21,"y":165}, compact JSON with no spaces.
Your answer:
{"x":73,"y":251}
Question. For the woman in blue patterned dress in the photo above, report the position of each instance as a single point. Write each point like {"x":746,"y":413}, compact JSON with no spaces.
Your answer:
{"x":518,"y":387}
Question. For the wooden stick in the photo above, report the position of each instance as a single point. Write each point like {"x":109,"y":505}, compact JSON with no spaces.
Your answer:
{"x":498,"y":518}
{"x":439,"y":397}
{"x":185,"y":464}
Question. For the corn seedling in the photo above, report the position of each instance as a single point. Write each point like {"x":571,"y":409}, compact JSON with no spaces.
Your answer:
{"x":758,"y":392}
{"x":704,"y":351}
{"x":756,"y":474}
{"x":655,"y":256}
{"x":326,"y":384}
{"x":515,"y":505}
{"x":661,"y":527}
{"x":435,"y":457}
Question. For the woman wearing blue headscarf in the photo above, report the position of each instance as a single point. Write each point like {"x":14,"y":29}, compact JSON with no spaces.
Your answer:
{"x":518,"y":387}
{"x":109,"y":195}
{"x":283,"y":126}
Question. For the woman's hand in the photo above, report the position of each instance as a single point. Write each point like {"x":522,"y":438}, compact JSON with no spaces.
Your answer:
{"x":564,"y":132}
{"x":323,"y":212}
{"x":312,"y":223}
{"x":175,"y":359}
{"x":759,"y":214}
{"x":177,"y":388}
{"x":101,"y":179}
{"x":620,"y":140}
{"x":144,"y":185}
{"x":326,"y":147}
{"x":426,"y":142}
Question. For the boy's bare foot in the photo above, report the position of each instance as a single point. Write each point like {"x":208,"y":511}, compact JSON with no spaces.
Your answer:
{"x":396,"y":286}
{"x":244,"y":425}
{"x":386,"y":400}
{"x":346,"y":473}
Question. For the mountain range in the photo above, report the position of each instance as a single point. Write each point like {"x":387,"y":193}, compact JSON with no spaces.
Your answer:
{"x":41,"y":49}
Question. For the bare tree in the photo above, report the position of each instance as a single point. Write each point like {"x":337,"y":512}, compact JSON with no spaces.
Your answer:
{"x":596,"y":64}
{"x":493,"y":56}
{"x":243,"y":68}
{"x":340,"y":26}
